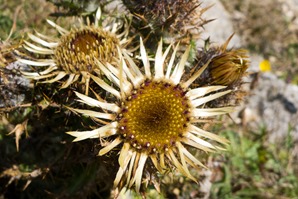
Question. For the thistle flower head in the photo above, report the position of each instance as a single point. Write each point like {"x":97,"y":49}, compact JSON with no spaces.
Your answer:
{"x":73,"y":54}
{"x":155,"y":115}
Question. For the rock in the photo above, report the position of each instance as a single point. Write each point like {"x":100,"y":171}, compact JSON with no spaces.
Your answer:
{"x":276,"y":103}
{"x":221,"y":28}
{"x":13,"y":85}
{"x":272,"y":104}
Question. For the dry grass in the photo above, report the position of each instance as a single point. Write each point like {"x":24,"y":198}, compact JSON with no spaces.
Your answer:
{"x":21,"y":16}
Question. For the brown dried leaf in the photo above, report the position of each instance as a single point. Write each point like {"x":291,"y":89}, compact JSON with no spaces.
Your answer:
{"x":19,"y":130}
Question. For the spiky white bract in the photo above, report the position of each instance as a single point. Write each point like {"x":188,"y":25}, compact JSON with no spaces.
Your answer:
{"x":155,"y":115}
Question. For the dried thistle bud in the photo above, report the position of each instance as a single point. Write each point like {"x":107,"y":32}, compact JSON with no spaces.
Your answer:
{"x":228,"y":67}
{"x":170,"y":19}
{"x":225,"y":67}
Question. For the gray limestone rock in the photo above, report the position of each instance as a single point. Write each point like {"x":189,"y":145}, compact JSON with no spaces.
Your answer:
{"x":13,"y":85}
{"x":271,"y":104}
{"x":221,"y":28}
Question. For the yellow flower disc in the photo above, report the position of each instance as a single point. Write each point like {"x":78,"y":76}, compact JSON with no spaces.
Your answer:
{"x":154,"y":116}
{"x":78,"y":50}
